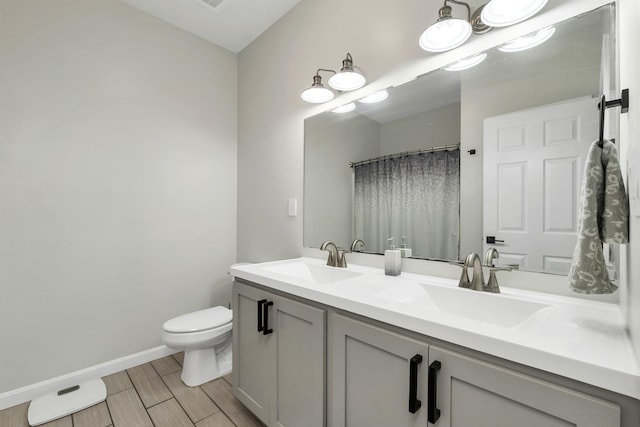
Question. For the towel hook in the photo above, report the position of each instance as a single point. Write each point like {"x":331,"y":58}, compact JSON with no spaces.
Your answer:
{"x":622,"y":102}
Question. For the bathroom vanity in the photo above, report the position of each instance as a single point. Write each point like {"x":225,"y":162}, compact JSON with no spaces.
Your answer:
{"x":317,"y":345}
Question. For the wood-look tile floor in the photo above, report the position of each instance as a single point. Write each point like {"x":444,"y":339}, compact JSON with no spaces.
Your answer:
{"x":152,"y":395}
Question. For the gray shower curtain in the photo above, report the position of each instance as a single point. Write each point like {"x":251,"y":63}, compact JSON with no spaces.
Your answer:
{"x":415,"y":195}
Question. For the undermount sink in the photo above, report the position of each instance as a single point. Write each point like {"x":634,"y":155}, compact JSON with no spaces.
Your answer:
{"x":321,"y":274}
{"x":497,"y":309}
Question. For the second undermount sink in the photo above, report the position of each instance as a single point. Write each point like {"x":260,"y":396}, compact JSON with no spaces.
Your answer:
{"x":316,"y":273}
{"x":497,"y":309}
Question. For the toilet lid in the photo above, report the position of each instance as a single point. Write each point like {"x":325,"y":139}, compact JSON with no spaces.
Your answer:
{"x":199,"y":320}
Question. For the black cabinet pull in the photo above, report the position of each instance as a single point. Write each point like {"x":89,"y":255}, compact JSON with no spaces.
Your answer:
{"x":414,"y":403}
{"x":265,"y":318}
{"x":433,"y":413}
{"x":260,"y":323}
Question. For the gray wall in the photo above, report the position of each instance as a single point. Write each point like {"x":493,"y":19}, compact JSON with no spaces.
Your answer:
{"x":117,"y":182}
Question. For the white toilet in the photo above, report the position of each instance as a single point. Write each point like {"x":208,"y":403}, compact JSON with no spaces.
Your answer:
{"x":205,"y":338}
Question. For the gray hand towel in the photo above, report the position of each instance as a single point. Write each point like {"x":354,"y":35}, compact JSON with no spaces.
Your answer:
{"x":604,"y":217}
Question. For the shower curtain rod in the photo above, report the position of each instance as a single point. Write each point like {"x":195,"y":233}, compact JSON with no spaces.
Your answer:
{"x":405,"y":153}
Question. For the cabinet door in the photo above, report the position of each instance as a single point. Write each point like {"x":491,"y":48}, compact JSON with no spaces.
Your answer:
{"x":298,"y":395}
{"x":251,"y":359}
{"x":471,"y":393}
{"x":371,"y":371}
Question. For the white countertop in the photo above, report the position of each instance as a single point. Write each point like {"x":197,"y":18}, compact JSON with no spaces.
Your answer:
{"x":583,"y":340}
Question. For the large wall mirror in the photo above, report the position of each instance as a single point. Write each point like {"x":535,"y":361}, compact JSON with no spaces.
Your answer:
{"x":454,"y":159}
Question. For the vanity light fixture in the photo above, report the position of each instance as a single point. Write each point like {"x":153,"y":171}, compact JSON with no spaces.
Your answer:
{"x":466,"y":63}
{"x":317,"y":93}
{"x":378,"y":96}
{"x":347,"y":79}
{"x":448,"y":32}
{"x":502,"y":13}
{"x":528,"y":41}
{"x":346,"y":108}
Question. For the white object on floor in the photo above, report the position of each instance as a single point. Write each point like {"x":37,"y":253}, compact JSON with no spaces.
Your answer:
{"x":66,"y":401}
{"x":205,"y":338}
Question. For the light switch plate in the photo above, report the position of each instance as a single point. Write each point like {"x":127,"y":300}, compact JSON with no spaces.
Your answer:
{"x":293,"y":207}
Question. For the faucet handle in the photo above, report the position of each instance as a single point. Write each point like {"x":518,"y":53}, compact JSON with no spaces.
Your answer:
{"x":342,"y":258}
{"x":492,"y":284}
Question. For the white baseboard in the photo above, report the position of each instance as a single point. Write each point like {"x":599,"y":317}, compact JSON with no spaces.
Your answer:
{"x":30,"y":392}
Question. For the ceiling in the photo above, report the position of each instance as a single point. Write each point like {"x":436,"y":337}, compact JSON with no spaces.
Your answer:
{"x":231,"y":24}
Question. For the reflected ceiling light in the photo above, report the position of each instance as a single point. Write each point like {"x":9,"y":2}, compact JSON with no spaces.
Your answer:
{"x":466,"y":63}
{"x":501,"y":13}
{"x":345,"y":108}
{"x":317,"y":93}
{"x":448,"y":32}
{"x":347,"y":78}
{"x":530,"y":40}
{"x":378,"y":96}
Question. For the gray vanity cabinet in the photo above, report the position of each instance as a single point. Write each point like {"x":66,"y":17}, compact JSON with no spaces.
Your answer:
{"x":472,"y":393}
{"x":278,"y":357}
{"x":371,"y":371}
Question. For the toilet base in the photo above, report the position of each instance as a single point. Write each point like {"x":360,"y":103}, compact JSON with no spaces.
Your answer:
{"x":201,"y":366}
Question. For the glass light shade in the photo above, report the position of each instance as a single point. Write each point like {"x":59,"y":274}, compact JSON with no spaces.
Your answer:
{"x":347,"y":80}
{"x":502,"y":13}
{"x":317,"y":94}
{"x":466,"y":63}
{"x":345,"y":108}
{"x":528,"y":41}
{"x":446,"y":34}
{"x":378,"y":96}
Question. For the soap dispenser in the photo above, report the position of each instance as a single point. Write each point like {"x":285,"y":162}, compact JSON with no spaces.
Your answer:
{"x":392,"y":260}
{"x":405,"y":252}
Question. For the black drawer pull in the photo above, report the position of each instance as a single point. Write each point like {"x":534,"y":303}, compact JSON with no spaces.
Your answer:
{"x":265,"y":318}
{"x":433,"y":413}
{"x":260,"y":318}
{"x":414,"y":403}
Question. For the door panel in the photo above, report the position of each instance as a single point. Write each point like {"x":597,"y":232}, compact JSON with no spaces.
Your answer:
{"x":299,"y":371}
{"x":251,"y":365}
{"x":371,"y":376}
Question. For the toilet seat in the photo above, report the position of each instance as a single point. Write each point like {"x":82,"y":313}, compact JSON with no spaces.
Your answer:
{"x":199,"y":321}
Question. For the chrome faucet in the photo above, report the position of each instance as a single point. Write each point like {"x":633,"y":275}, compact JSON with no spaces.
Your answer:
{"x":333,"y":253}
{"x":355,"y":243}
